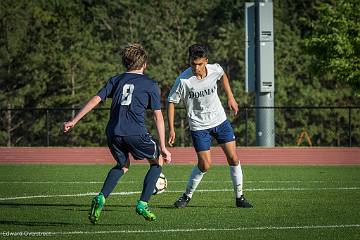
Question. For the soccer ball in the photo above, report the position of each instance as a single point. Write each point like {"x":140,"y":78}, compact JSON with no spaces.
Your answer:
{"x":160,"y":185}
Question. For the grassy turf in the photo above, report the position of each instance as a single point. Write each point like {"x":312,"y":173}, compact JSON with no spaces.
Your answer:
{"x":301,"y":202}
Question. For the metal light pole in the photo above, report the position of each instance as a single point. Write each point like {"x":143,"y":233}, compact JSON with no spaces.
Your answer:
{"x":259,"y":61}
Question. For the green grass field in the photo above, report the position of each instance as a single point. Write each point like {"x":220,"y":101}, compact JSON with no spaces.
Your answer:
{"x":291,"y":202}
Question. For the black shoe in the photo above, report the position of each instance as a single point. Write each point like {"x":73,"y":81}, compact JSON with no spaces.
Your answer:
{"x":182,"y":201}
{"x":241,"y":202}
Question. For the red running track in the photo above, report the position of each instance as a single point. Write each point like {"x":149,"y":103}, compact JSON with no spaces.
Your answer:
{"x":247,"y":155}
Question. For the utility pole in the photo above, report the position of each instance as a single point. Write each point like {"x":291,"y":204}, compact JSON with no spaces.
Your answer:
{"x":259,"y":62}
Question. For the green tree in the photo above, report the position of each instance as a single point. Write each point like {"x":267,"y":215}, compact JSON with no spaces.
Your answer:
{"x":59,"y":53}
{"x":80,"y":62}
{"x":334,"y":41}
{"x":18,"y":87}
{"x":52,"y":57}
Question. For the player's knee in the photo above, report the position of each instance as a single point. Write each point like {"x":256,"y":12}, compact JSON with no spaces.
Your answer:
{"x":233,"y":161}
{"x":157,"y":161}
{"x":122,"y":167}
{"x":204,"y":167}
{"x":160,"y":161}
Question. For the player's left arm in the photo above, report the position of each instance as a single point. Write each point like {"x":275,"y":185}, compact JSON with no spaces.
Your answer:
{"x":160,"y":126}
{"x":232,"y":104}
{"x":93,"y":102}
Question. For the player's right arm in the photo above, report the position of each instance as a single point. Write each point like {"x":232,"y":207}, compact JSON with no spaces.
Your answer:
{"x":93,"y":102}
{"x":171,"y":114}
{"x":177,"y":93}
{"x":105,"y":92}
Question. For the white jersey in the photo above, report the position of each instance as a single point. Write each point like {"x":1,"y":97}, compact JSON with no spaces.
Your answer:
{"x":204,"y":108}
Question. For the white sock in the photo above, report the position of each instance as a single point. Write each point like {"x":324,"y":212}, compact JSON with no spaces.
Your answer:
{"x":237,"y":179}
{"x":194,"y":180}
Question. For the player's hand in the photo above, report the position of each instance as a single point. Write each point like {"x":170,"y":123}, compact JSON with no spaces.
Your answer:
{"x":166,"y":155}
{"x":233,"y":105}
{"x":172,"y":137}
{"x":68,"y":125}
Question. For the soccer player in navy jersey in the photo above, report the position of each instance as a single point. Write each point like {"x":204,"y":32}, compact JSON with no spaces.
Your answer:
{"x":197,"y":87}
{"x":132,"y":93}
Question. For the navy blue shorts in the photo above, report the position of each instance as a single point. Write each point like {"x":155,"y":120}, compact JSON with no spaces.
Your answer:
{"x":223,"y":133}
{"x":140,"y":147}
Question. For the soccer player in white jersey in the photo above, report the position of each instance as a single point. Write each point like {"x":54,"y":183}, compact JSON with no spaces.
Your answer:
{"x":197,"y":87}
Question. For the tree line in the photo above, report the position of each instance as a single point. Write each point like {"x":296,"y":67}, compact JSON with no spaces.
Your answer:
{"x":58,"y":54}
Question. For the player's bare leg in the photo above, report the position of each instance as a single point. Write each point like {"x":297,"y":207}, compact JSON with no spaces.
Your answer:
{"x":204,"y":163}
{"x":235,"y":173}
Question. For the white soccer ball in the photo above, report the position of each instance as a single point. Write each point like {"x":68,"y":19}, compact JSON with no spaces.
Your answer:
{"x":160,"y":185}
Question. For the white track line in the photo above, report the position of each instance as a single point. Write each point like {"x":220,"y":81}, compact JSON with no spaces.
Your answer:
{"x":8,"y":233}
{"x":169,"y":191}
{"x":170,"y":181}
{"x":55,"y":182}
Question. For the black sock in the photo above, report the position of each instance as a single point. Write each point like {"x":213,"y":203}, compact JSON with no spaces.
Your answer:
{"x":111,"y":180}
{"x":150,"y":181}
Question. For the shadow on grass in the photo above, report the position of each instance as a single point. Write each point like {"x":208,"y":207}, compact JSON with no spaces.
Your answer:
{"x":170,"y":206}
{"x":29,"y":223}
{"x":55,"y":224}
{"x":65,"y":207}
{"x":44,"y":205}
{"x":109,"y":207}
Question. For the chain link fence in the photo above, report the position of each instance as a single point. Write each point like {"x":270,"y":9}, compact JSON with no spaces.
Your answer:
{"x":294,"y":126}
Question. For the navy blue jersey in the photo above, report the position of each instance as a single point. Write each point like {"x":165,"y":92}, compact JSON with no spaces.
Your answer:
{"x":131,"y":95}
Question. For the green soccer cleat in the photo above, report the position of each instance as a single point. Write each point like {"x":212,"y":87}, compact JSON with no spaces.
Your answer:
{"x":97,"y":205}
{"x":142,"y":209}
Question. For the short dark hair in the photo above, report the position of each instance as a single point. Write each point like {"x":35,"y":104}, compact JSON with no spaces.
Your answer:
{"x":198,"y":51}
{"x":133,"y":57}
